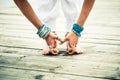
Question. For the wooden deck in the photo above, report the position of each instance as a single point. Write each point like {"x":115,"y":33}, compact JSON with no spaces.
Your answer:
{"x":20,"y":48}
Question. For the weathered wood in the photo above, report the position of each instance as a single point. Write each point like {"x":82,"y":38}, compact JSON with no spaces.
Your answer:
{"x":20,"y":47}
{"x":24,"y":74}
{"x":87,"y":43}
{"x":92,"y":52}
{"x":95,"y":66}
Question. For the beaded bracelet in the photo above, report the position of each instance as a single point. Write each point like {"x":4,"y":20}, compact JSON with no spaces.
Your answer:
{"x":44,"y":31}
{"x":77,"y":29}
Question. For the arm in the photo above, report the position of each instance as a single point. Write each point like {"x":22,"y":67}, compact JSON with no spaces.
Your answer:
{"x":27,"y":10}
{"x":73,"y":36}
{"x":87,"y":6}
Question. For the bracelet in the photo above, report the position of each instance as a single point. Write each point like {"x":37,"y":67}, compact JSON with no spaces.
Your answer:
{"x":44,"y":31}
{"x":77,"y":29}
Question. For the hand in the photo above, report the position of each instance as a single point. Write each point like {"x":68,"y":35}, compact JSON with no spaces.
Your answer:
{"x":51,"y":41}
{"x":72,"y":40}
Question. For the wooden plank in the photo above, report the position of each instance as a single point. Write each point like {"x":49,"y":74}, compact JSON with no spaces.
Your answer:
{"x":98,"y":39}
{"x":10,"y":11}
{"x":88,"y":29}
{"x":16,"y":27}
{"x":20,"y":50}
{"x":25,"y":42}
{"x":109,"y":39}
{"x":12,"y":74}
{"x":87,"y":66}
{"x":114,"y":21}
{"x":11,"y":18}
{"x":19,"y":35}
{"x":93,"y":73}
{"x":91,"y":52}
{"x":19,"y":22}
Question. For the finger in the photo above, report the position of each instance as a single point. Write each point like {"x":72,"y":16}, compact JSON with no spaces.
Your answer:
{"x":71,"y":45}
{"x":59,"y":39}
{"x":56,"y":37}
{"x":54,"y":51}
{"x":49,"y":41}
{"x":64,"y":40}
{"x":54,"y":43}
{"x":73,"y":51}
{"x":71,"y":48}
{"x":70,"y":51}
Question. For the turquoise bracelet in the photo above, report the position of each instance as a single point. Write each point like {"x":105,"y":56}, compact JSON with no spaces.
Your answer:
{"x":44,"y":31}
{"x":77,"y":29}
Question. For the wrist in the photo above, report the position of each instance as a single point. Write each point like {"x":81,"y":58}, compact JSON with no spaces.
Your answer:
{"x":77,"y":29}
{"x":43,"y":31}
